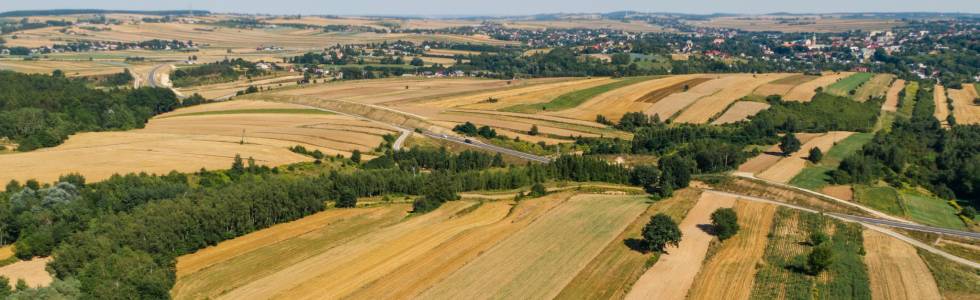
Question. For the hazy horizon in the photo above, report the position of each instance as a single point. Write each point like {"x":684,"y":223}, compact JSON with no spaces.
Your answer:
{"x":509,"y":7}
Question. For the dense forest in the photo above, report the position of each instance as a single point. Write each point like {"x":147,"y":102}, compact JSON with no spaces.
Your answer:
{"x":43,"y":110}
{"x":121,"y":237}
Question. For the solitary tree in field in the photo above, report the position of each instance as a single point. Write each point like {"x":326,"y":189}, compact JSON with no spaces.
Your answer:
{"x":534,"y":130}
{"x":660,"y":232}
{"x":355,"y":156}
{"x":725,"y":223}
{"x":815,"y":155}
{"x":789,"y":144}
{"x":819,"y":259}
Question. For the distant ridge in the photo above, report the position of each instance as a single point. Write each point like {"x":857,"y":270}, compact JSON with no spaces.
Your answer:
{"x":56,"y":12}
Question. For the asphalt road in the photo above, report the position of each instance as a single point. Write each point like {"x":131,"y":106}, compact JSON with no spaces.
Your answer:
{"x":913,"y":227}
{"x":481,"y":145}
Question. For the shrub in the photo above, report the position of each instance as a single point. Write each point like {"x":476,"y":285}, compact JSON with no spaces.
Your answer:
{"x":819,"y":259}
{"x":815,"y":155}
{"x":660,"y":232}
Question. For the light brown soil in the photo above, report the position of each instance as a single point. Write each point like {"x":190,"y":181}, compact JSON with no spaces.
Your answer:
{"x":657,"y":95}
{"x":702,"y":110}
{"x":741,"y":111}
{"x":839,"y":191}
{"x":31,"y":271}
{"x":761,"y":162}
{"x":805,"y":91}
{"x":788,"y":167}
{"x":891,"y":98}
{"x":672,"y":275}
{"x":393,"y":91}
{"x":530,"y":94}
{"x":6,"y":252}
{"x":895,"y":269}
{"x":730,"y":272}
{"x":965,"y":111}
{"x":942,"y":108}
{"x":671,"y":105}
{"x":212,"y":91}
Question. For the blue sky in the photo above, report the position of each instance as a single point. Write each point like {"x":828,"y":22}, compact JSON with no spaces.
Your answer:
{"x":506,"y":7}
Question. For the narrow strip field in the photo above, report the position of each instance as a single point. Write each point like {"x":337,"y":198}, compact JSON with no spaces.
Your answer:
{"x":672,"y":275}
{"x":876,"y":87}
{"x":846,"y":86}
{"x":740,"y":111}
{"x":942,"y":108}
{"x":705,"y":108}
{"x":615,"y":103}
{"x":964,"y":109}
{"x":783,"y":86}
{"x":537,"y":262}
{"x":526,"y":94}
{"x":895,"y":270}
{"x":891,"y":97}
{"x":667,"y":107}
{"x":730,"y":272}
{"x":571,"y":98}
{"x":805,"y":91}
{"x":787,"y":167}
{"x":611,"y":274}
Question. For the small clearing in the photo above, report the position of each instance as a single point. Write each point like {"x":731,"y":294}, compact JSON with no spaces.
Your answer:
{"x":674,"y":273}
{"x":31,"y":271}
{"x":730,"y":272}
{"x":895,"y":270}
{"x":965,"y":109}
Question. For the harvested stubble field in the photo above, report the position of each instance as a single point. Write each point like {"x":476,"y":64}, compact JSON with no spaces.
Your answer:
{"x":964,"y":109}
{"x":189,"y":143}
{"x":613,"y":104}
{"x":705,"y":108}
{"x":891,"y":97}
{"x":782,"y":86}
{"x":674,"y":273}
{"x":612,"y":273}
{"x":942,"y":108}
{"x":799,"y":23}
{"x":212,"y":91}
{"x":895,"y":270}
{"x":71,"y":68}
{"x":805,"y":91}
{"x":845,"y":86}
{"x":540,"y":260}
{"x":787,"y":167}
{"x":876,"y":87}
{"x":526,"y":94}
{"x":401,"y":91}
{"x":225,"y":37}
{"x":730,"y":272}
{"x":675,"y":103}
{"x":516,"y":123}
{"x":570,"y":98}
{"x":631,"y":26}
{"x":771,"y":156}
{"x":740,"y":111}
{"x":31,"y":271}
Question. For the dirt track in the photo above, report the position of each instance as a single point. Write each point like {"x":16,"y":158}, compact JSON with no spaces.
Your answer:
{"x":672,"y":276}
{"x":895,"y":269}
{"x":730,"y":273}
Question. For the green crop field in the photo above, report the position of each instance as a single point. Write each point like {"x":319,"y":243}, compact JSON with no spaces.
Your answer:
{"x":882,"y":198}
{"x":907,"y":103}
{"x":851,"y":83}
{"x":930,"y":210}
{"x":573,"y":99}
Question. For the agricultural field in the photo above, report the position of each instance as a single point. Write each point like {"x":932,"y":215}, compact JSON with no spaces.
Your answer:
{"x":798,"y":23}
{"x":783,"y":86}
{"x":965,"y":110}
{"x":891,"y":97}
{"x":781,"y":274}
{"x":786,"y":168}
{"x":228,"y":89}
{"x":907,"y":103}
{"x":895,"y":271}
{"x":31,"y":271}
{"x":709,"y":107}
{"x":570,"y":98}
{"x":633,"y":26}
{"x":205,"y":136}
{"x":636,"y":97}
{"x":465,"y":247}
{"x":848,"y":86}
{"x":815,"y":177}
{"x":72,"y":68}
{"x":804,"y":92}
{"x":730,"y":272}
{"x":674,"y":273}
{"x":942,"y":107}
{"x":910,"y":204}
{"x":876,"y":87}
{"x":740,"y":111}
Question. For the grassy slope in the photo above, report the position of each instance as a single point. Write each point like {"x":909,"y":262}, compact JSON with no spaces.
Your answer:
{"x":846,"y":85}
{"x":573,"y":99}
{"x":882,"y":198}
{"x":617,"y":267}
{"x":930,"y":210}
{"x":815,"y":177}
{"x":780,"y":276}
{"x":907,"y":103}
{"x":955,"y":281}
